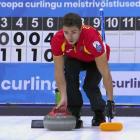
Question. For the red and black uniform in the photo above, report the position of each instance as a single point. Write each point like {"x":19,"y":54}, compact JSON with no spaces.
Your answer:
{"x":78,"y":58}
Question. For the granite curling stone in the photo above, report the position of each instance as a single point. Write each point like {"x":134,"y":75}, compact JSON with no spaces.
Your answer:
{"x":59,"y":121}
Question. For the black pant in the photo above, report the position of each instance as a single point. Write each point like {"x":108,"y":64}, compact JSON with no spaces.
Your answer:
{"x":91,"y":82}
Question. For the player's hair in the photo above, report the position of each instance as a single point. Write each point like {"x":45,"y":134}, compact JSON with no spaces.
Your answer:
{"x":71,"y":19}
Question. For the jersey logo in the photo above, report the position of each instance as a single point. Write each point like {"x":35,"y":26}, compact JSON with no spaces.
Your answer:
{"x":69,"y":50}
{"x":97,"y":46}
{"x":81,"y":48}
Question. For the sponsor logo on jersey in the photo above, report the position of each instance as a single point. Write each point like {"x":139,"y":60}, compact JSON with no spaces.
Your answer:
{"x":69,"y":50}
{"x":81,"y":48}
{"x":98,"y":46}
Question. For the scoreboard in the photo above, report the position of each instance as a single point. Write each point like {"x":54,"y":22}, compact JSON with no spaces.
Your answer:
{"x":27,"y":39}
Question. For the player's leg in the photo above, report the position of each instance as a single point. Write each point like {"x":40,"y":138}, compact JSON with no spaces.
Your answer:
{"x":91,"y":82}
{"x":75,"y":101}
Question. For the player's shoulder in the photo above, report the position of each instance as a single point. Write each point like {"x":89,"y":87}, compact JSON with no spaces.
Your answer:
{"x":89,"y":31}
{"x":88,"y":28}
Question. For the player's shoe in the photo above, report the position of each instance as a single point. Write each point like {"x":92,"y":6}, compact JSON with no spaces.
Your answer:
{"x":98,"y":118}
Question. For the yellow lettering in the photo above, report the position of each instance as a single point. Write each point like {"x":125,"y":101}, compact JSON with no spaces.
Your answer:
{"x":86,"y":27}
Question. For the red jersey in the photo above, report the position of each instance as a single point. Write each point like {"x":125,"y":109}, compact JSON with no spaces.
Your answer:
{"x":88,"y":47}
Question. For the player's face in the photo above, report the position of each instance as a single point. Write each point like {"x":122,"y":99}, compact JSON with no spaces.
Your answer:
{"x":72,"y":34}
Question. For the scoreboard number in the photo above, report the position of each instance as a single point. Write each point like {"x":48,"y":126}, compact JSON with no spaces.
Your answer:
{"x":50,"y":22}
{"x":19,"y":22}
{"x":5,"y":54}
{"x":4,"y":22}
{"x":47,"y":37}
{"x":96,"y":23}
{"x":34,"y":38}
{"x":127,"y":23}
{"x":3,"y":50}
{"x":47,"y":55}
{"x":112,"y":22}
{"x":18,"y":41}
{"x":84,"y":20}
{"x":35,"y":22}
{"x":19,"y":38}
{"x":4,"y":38}
{"x":18,"y":55}
{"x":34,"y":55}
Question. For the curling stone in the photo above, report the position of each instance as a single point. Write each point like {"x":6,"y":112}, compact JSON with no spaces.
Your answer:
{"x":59,"y":121}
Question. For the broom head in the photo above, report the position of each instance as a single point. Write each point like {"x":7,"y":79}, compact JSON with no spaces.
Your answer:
{"x":111,"y":126}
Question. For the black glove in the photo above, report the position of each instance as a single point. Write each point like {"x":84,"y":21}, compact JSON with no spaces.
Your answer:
{"x":110,"y":109}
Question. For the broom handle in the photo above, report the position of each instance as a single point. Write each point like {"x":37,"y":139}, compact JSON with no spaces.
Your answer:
{"x":103,"y":37}
{"x":109,"y":119}
{"x":103,"y":28}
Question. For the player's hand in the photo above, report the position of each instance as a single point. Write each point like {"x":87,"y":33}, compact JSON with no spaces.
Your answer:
{"x":110,"y":109}
{"x":62,"y":106}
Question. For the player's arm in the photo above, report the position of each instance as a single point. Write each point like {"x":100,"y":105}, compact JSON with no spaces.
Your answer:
{"x":103,"y":67}
{"x":96,"y":48}
{"x":59,"y":75}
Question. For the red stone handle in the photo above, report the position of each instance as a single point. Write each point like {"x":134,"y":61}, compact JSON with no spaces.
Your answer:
{"x":58,"y":114}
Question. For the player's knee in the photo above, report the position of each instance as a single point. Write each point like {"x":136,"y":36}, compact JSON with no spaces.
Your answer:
{"x":91,"y":88}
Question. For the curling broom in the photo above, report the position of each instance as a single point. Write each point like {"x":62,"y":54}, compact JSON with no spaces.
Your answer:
{"x":107,"y":126}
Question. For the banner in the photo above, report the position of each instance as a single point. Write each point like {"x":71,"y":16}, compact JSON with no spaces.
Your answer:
{"x":26,"y":62}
